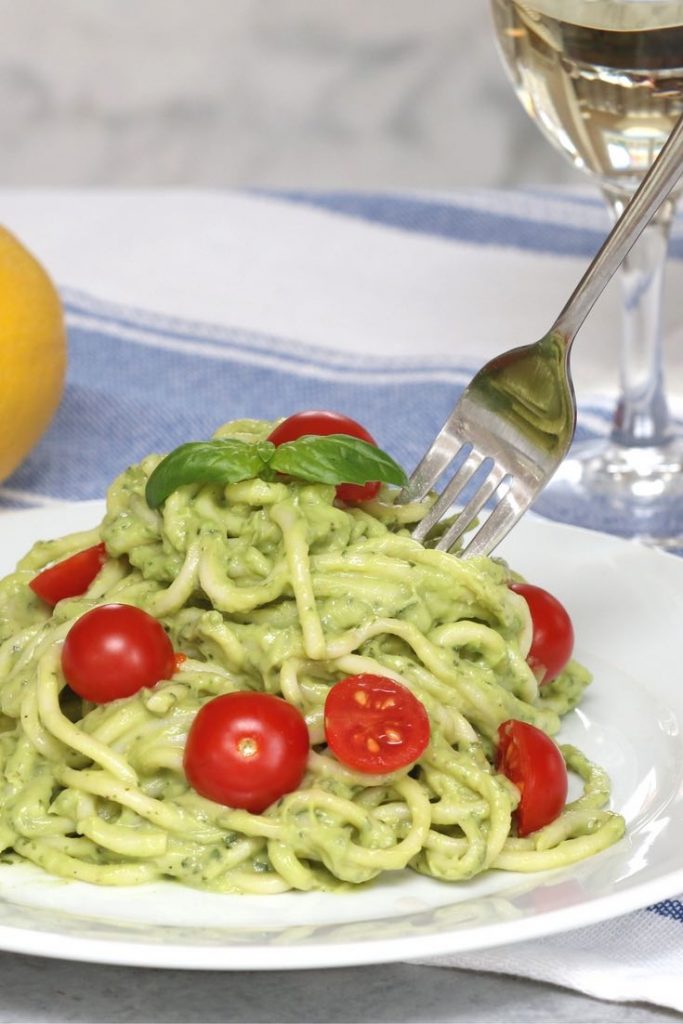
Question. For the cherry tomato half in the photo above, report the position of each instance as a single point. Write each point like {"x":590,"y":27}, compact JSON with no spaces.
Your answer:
{"x":115,"y":650}
{"x":70,"y":577}
{"x":246,"y":750}
{"x":374,"y":724}
{"x":552,"y":641}
{"x":319,"y":423}
{"x":534,"y":763}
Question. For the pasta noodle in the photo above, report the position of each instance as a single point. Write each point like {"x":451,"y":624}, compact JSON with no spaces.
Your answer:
{"x":271,"y":586}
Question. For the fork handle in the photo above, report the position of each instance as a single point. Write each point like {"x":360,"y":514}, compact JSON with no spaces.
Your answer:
{"x":646,"y":200}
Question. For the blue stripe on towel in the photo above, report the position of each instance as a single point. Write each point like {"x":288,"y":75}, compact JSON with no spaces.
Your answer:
{"x":459,"y":222}
{"x":110,"y":417}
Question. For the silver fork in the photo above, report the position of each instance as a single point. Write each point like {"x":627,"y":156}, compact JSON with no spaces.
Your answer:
{"x":515,"y":421}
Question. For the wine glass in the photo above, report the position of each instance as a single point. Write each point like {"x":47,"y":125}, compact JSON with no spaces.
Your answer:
{"x":603,"y":80}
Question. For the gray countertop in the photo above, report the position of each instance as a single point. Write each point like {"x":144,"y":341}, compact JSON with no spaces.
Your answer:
{"x":34,"y":989}
{"x":295,"y":93}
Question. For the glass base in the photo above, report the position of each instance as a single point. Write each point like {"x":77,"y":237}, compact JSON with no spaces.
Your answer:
{"x":632,"y":492}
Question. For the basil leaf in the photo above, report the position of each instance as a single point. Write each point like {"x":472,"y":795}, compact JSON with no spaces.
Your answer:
{"x":331,"y":459}
{"x":222,"y":461}
{"x":265,"y":451}
{"x":336,"y":459}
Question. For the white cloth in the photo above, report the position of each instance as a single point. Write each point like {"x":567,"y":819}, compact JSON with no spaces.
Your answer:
{"x":637,"y":958}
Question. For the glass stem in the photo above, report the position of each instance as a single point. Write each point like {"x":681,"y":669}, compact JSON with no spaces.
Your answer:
{"x":642,"y":417}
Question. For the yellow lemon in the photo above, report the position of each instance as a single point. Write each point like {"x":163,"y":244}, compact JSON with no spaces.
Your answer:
{"x":32,"y":352}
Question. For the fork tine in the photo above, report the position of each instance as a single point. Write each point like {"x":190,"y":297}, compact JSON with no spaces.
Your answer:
{"x":464,"y":473}
{"x":488,"y":486}
{"x":441,"y":453}
{"x":509,"y":509}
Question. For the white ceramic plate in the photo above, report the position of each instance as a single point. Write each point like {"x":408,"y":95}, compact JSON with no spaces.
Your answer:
{"x":627,"y":607}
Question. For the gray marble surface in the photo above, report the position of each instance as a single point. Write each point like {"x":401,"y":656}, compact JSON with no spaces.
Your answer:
{"x":32,"y":989}
{"x":364,"y":93}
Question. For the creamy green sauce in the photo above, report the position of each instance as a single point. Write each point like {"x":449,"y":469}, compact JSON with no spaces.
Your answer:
{"x":273,"y":586}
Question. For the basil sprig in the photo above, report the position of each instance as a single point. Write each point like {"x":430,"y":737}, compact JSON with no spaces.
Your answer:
{"x":328,"y":459}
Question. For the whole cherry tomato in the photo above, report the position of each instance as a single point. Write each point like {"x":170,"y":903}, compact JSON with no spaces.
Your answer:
{"x":552,"y":641}
{"x":374,"y":724}
{"x":113,"y":651}
{"x":534,"y":763}
{"x":70,"y":577}
{"x":246,"y":750}
{"x":319,"y":423}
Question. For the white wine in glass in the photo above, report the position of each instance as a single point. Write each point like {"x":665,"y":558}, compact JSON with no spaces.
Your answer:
{"x":603,"y":80}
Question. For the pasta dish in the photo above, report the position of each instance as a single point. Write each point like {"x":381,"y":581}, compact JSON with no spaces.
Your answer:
{"x":409,"y":667}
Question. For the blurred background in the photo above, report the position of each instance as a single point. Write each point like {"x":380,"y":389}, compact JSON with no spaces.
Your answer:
{"x":358,"y":94}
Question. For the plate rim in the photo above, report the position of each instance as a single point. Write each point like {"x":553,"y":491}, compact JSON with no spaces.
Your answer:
{"x":359,"y":953}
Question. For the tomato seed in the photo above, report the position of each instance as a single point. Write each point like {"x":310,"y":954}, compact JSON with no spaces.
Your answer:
{"x":372,"y":745}
{"x":393,"y":735}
